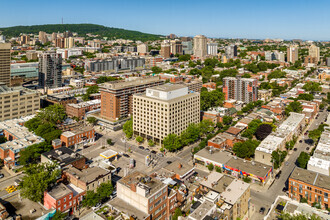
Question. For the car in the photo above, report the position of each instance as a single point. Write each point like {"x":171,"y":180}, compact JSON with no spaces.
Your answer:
{"x":307,"y":148}
{"x":286,"y":163}
{"x":300,"y":141}
{"x":126,"y":155}
{"x":160,"y":155}
{"x":154,"y":152}
{"x":98,"y":205}
{"x":17,"y":182}
{"x":168,"y":162}
{"x":278,"y":175}
{"x":141,"y":147}
{"x":295,"y":149}
{"x":147,"y":149}
{"x":262,"y":210}
{"x":1,"y":176}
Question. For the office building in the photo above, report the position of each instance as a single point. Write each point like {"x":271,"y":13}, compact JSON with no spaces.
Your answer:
{"x":292,"y":54}
{"x":142,"y":49}
{"x":60,"y":42}
{"x":16,"y":102}
{"x":165,"y":50}
{"x":187,"y":47}
{"x":26,"y":70}
{"x":240,"y":89}
{"x":200,"y":46}
{"x":50,"y":70}
{"x":231,"y":51}
{"x":117,"y":99}
{"x":5,"y":63}
{"x":43,"y":37}
{"x":314,"y":52}
{"x":269,"y":56}
{"x":312,"y":186}
{"x":163,"y":110}
{"x":212,"y":49}
{"x":176,"y":47}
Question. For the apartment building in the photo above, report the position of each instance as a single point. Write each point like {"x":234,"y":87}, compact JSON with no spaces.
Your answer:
{"x":314,"y":52}
{"x":87,"y":179}
{"x":165,"y":50}
{"x":64,"y":157}
{"x":78,"y":136}
{"x":117,"y":97}
{"x":163,"y":110}
{"x":114,"y":64}
{"x":176,"y":47}
{"x":231,"y":51}
{"x":212,"y":49}
{"x":144,"y":193}
{"x":50,"y":70}
{"x":16,"y":102}
{"x":292,"y":54}
{"x":311,"y":186}
{"x":264,"y":94}
{"x":79,"y":110}
{"x":200,"y":46}
{"x":195,"y":85}
{"x":240,"y":89}
{"x":5,"y":63}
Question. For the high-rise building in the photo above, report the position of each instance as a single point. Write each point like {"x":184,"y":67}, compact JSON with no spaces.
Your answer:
{"x":200,"y":46}
{"x":5,"y":63}
{"x":142,"y":48}
{"x":240,"y":89}
{"x":165,"y":50}
{"x":69,"y":42}
{"x":187,"y":47}
{"x":212,"y":49}
{"x":176,"y":47}
{"x":314,"y":52}
{"x":50,"y":70}
{"x":54,"y":36}
{"x":25,"y":39}
{"x":117,"y":97}
{"x":60,"y":42}
{"x":163,"y":110}
{"x":328,"y":61}
{"x":2,"y":39}
{"x":269,"y":56}
{"x":292,"y":54}
{"x":43,"y":37}
{"x":280,"y":56}
{"x":231,"y":51}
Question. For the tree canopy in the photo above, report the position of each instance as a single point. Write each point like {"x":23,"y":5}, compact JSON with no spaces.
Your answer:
{"x":263,"y":131}
{"x":52,"y":114}
{"x":211,"y":99}
{"x":312,"y":87}
{"x":302,"y":160}
{"x":31,"y":155}
{"x":245,"y":149}
{"x":128,"y":128}
{"x":293,"y":107}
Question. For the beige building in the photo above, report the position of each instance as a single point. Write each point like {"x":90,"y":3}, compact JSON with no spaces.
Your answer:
{"x":142,"y":48}
{"x":314,"y":52}
{"x":16,"y":102}
{"x":200,"y":46}
{"x":292,"y":54}
{"x":69,"y":42}
{"x":5,"y":63}
{"x":163,"y":110}
{"x":264,"y":94}
{"x":176,"y":47}
{"x":165,"y":50}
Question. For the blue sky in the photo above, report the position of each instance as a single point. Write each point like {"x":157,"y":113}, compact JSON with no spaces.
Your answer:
{"x":303,"y":19}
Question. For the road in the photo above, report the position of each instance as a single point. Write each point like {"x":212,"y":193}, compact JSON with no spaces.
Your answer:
{"x":4,"y":183}
{"x":265,"y":199}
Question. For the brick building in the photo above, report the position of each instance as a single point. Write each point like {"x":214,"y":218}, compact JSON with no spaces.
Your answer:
{"x":78,"y":136}
{"x":240,"y":89}
{"x":79,"y":110}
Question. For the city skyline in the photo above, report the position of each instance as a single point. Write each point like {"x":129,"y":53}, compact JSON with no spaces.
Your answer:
{"x":252,"y":20}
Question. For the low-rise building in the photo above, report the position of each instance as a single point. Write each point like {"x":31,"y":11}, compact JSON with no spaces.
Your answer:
{"x":78,"y":136}
{"x":79,"y":110}
{"x":77,"y":83}
{"x":180,"y":170}
{"x":65,"y":157}
{"x":264,"y":94}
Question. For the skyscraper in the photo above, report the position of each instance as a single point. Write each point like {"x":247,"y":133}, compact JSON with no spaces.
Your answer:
{"x":231,"y":51}
{"x":5,"y":63}
{"x":314,"y":52}
{"x":50,"y":70}
{"x":200,"y":46}
{"x":176,"y":47}
{"x":292,"y":54}
{"x":165,"y":50}
{"x":212,"y":48}
{"x":240,"y":89}
{"x":69,"y":42}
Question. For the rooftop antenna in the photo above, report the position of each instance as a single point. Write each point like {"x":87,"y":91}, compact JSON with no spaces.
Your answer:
{"x":62,"y":20}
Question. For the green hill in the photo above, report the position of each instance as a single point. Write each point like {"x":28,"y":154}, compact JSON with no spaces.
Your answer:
{"x":81,"y":29}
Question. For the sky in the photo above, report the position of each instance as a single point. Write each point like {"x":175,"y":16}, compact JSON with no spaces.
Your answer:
{"x":254,"y":19}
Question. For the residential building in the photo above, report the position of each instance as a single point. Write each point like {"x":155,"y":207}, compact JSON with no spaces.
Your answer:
{"x":3,"y":211}
{"x":117,"y":97}
{"x":195,"y":85}
{"x":176,"y":47}
{"x":200,"y":46}
{"x":19,"y":138}
{"x":61,"y":98}
{"x":64,"y":198}
{"x":231,"y":51}
{"x":69,"y":42}
{"x":5,"y":63}
{"x":240,"y":89}
{"x":187,"y":47}
{"x":64,"y":157}
{"x":264,"y":94}
{"x":78,"y":136}
{"x":180,"y":170}
{"x":87,"y":179}
{"x":66,"y":53}
{"x":25,"y":39}
{"x":120,"y":63}
{"x":77,"y":83}
{"x":163,"y":110}
{"x":43,"y":37}
{"x":142,"y":49}
{"x":16,"y":102}
{"x":32,"y":55}
{"x":310,"y":186}
{"x":310,"y":60}
{"x":212,"y":49}
{"x":165,"y":50}
{"x":79,"y":110}
{"x":280,"y":56}
{"x":328,"y":61}
{"x":270,"y":55}
{"x":146,"y":194}
{"x":314,"y":52}
{"x":50,"y":70}
{"x":292,"y":54}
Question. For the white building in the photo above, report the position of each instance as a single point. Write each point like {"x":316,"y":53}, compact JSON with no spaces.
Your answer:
{"x":77,"y":83}
{"x":66,"y":53}
{"x":212,"y":48}
{"x":142,"y":48}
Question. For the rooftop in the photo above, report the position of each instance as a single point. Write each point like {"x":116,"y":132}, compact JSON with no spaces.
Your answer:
{"x":117,"y":85}
{"x":85,"y":104}
{"x":59,"y":191}
{"x":270,"y":143}
{"x":76,"y":131}
{"x":251,"y":167}
{"x":311,"y":177}
{"x":202,"y":210}
{"x":87,"y":175}
{"x":63,"y":155}
{"x":217,"y":182}
{"x":216,"y":155}
{"x":179,"y":167}
{"x":234,"y":191}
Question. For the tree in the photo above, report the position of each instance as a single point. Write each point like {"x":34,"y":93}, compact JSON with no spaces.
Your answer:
{"x":92,"y":120}
{"x":37,"y":179}
{"x":33,"y":123}
{"x":302,"y":160}
{"x":315,"y":134}
{"x":252,"y":128}
{"x":172,"y":142}
{"x":245,"y":149}
{"x":278,"y":158}
{"x":218,"y":169}
{"x":59,"y":215}
{"x":104,"y":191}
{"x":195,"y":72}
{"x":263,"y":131}
{"x":3,"y":139}
{"x":205,"y":126}
{"x":128,"y":128}
{"x":176,"y":214}
{"x":294,"y":106}
{"x":301,"y":216}
{"x":103,"y":79}
{"x":305,"y":96}
{"x":312,"y":87}
{"x":276,"y":74}
{"x":212,"y":62}
{"x":246,"y":75}
{"x":151,"y":143}
{"x":90,"y":199}
{"x":52,"y":114}
{"x":156,"y":69}
{"x":185,"y":57}
{"x":139,"y":139}
{"x":109,"y":141}
{"x":92,"y":89}
{"x":31,"y":154}
{"x":227,"y":120}
{"x":210,"y":166}
{"x":211,"y":99}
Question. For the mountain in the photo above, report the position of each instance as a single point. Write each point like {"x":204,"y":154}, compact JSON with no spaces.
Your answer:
{"x":81,"y":29}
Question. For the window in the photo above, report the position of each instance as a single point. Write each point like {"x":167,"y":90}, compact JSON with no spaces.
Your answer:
{"x":59,"y":202}
{"x":64,"y":207}
{"x":64,"y":199}
{"x":70,"y":197}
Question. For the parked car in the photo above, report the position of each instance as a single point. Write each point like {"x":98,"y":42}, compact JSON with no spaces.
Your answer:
{"x":1,"y":176}
{"x":262,"y":210}
{"x":295,"y":149}
{"x":126,"y":155}
{"x":286,"y":163}
{"x":141,"y":147}
{"x":98,"y":205}
{"x":278,"y":175}
{"x":154,"y":152}
{"x":160,"y":155}
{"x":168,"y":162}
{"x":147,"y":149}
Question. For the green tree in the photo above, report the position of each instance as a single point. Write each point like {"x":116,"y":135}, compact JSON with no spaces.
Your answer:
{"x":156,"y":69}
{"x":212,"y":62}
{"x":31,"y":154}
{"x":302,"y":160}
{"x":315,"y":134}
{"x":278,"y":158}
{"x":245,"y":149}
{"x":3,"y":139}
{"x":139,"y":139}
{"x":109,"y":141}
{"x":195,"y":72}
{"x":218,"y":169}
{"x":59,"y":215}
{"x":305,"y":96}
{"x":172,"y":142}
{"x":52,"y":114}
{"x":246,"y":75}
{"x":294,"y":106}
{"x":185,"y":57}
{"x":104,"y":191}
{"x":91,"y":199}
{"x":176,"y":214}
{"x":128,"y":128}
{"x":151,"y":143}
{"x":210,"y":166}
{"x":301,"y":216}
{"x":92,"y":120}
{"x":92,"y":89}
{"x":312,"y":87}
{"x":211,"y":99}
{"x":227,"y":120}
{"x":276,"y":74}
{"x":37,"y":179}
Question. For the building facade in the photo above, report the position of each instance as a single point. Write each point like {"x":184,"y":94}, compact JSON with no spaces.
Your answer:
{"x":212,"y":49}
{"x":231,"y":51}
{"x":314,"y":52}
{"x":50,"y":70}
{"x":5,"y":63}
{"x":165,"y":50}
{"x":292,"y":54}
{"x":79,"y":110}
{"x":78,"y":136}
{"x":200,"y":46}
{"x":240,"y":89}
{"x":163,"y":110}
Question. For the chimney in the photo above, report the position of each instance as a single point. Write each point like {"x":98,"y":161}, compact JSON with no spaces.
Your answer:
{"x":180,"y":165}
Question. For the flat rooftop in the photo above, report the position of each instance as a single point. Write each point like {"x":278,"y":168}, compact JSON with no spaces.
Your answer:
{"x":252,"y":167}
{"x":311,"y":177}
{"x":59,"y":191}
{"x":216,"y":182}
{"x":234,"y":191}
{"x":216,"y":155}
{"x":179,"y":167}
{"x":63,"y":155}
{"x":117,"y":85}
{"x":292,"y":122}
{"x":127,"y":209}
{"x":270,"y":143}
{"x":76,"y":131}
{"x":87,"y":175}
{"x":202,"y":210}
{"x":168,"y":87}
{"x":85,"y":104}
{"x":109,"y":154}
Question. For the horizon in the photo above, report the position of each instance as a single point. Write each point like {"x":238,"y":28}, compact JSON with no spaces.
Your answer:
{"x":296,"y":19}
